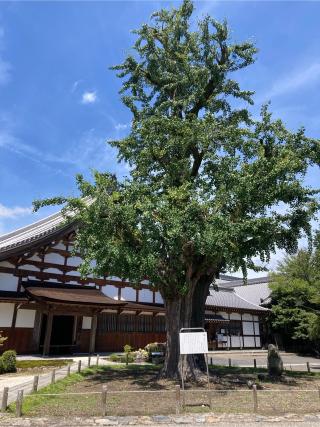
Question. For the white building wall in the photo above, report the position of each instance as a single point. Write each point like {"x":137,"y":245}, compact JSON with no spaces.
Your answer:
{"x":145,"y":295}
{"x":110,"y":290}
{"x":158,"y":298}
{"x":6,"y":314}
{"x":25,"y":318}
{"x":8,"y":282}
{"x":54,"y":258}
{"x":128,"y":294}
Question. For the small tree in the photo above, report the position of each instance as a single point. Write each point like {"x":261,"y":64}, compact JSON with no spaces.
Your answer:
{"x":204,"y":177}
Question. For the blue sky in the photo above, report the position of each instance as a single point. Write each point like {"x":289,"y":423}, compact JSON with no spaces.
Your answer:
{"x":59,"y":103}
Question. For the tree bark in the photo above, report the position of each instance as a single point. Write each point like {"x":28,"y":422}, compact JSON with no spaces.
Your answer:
{"x":186,"y":311}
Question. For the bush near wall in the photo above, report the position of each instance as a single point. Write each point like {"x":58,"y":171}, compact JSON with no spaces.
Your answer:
{"x":8,"y":362}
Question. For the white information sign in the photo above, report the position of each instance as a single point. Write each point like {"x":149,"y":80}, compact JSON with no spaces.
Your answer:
{"x":193,"y":342}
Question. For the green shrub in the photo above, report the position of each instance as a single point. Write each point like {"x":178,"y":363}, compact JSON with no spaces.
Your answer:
{"x":121,"y":358}
{"x":1,"y":366}
{"x":127,"y":348}
{"x":9,"y":361}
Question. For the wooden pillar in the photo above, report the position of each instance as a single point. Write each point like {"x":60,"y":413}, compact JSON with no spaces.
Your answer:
{"x":74,"y":331}
{"x":37,"y":330}
{"x":47,"y":339}
{"x":93,"y":331}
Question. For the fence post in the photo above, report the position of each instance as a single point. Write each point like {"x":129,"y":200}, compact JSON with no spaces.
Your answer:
{"x":230,"y":363}
{"x":79,"y":366}
{"x":68,"y":370}
{"x":89,"y":361}
{"x":255,"y":398}
{"x":104,"y":400}
{"x":19,"y":403}
{"x":98,"y":357}
{"x":4,"y":403}
{"x":178,"y":399}
{"x":308,"y":367}
{"x":35,"y":383}
{"x":255,"y":363}
{"x":53,"y":376}
{"x":211,"y":361}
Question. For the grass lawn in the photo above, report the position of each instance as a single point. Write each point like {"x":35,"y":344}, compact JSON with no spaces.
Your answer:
{"x":40,"y":366}
{"x":128,"y":387}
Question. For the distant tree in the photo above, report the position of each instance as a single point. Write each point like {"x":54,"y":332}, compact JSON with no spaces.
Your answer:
{"x":204,"y":176}
{"x":296,"y":299}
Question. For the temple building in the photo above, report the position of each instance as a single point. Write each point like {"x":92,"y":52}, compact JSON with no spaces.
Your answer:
{"x":47,"y":308}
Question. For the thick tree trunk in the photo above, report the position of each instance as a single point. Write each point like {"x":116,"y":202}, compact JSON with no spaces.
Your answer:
{"x":171,"y":363}
{"x":184,"y":312}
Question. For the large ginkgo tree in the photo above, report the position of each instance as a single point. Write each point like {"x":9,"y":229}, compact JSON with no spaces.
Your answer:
{"x":206,"y":179}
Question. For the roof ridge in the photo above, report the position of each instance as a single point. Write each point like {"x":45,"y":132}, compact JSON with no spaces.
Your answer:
{"x":249,"y":302}
{"x":29,"y":227}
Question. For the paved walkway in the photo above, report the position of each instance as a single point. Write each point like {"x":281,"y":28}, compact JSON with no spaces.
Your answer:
{"x":246,"y":358}
{"x":221,"y":420}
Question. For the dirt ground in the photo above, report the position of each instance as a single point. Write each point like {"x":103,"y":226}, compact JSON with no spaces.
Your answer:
{"x":140,"y":392}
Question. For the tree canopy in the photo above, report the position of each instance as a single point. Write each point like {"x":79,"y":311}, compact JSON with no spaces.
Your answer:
{"x":205,"y":177}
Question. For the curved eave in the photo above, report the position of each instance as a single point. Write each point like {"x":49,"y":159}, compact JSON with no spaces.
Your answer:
{"x":34,"y":235}
{"x":262,"y":311}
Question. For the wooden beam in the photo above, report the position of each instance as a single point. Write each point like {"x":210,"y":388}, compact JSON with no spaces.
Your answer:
{"x":47,"y":339}
{"x":93,"y":332}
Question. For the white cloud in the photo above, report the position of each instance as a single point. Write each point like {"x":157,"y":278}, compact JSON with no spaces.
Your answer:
{"x":5,"y":67}
{"x":121,"y":126}
{"x":300,"y":78}
{"x":89,"y":97}
{"x":6,"y":212}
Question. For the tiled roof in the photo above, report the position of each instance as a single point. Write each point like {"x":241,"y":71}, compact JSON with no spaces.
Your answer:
{"x":256,"y":293}
{"x":223,"y":298}
{"x":239,"y":282}
{"x":69,"y":294}
{"x":37,"y":231}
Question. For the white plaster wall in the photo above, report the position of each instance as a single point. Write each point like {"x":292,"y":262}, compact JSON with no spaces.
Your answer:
{"x":29,"y":267}
{"x":128,"y":294}
{"x":86,"y":322}
{"x":248,"y":341}
{"x":52,"y":270}
{"x":75,"y":261}
{"x":35,"y":258}
{"x":25,"y":318}
{"x":145,"y":295}
{"x":235,"y":316}
{"x":110,"y":290}
{"x":8,"y":282}
{"x":6,"y":264}
{"x":159,"y":299}
{"x":74,"y":273}
{"x":6,"y":314}
{"x":60,"y":245}
{"x":54,"y":258}
{"x":247,"y":328}
{"x":223,"y":314}
{"x":247,"y":316}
